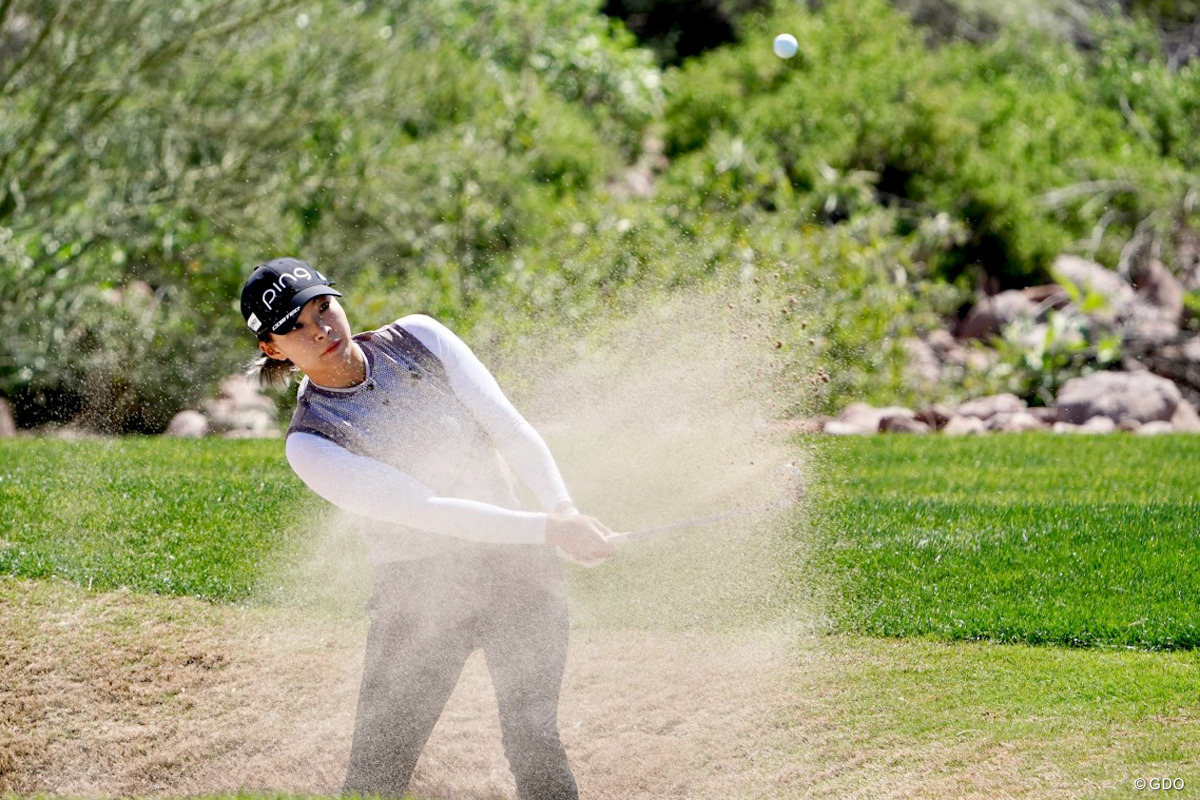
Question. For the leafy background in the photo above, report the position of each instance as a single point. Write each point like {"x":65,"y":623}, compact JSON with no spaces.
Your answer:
{"x":508,"y":163}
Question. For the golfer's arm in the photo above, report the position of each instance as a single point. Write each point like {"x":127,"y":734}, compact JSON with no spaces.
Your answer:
{"x":522,"y":447}
{"x":373,"y":489}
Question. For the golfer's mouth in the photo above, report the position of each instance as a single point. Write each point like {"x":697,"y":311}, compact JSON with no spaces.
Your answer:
{"x":333,"y":347}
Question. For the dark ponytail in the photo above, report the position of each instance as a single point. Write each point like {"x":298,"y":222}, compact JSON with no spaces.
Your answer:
{"x":270,"y":373}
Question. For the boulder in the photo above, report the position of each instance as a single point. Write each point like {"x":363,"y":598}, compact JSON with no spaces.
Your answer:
{"x":863,"y":419}
{"x":945,"y":347}
{"x":1150,"y":325}
{"x":1048,"y":415}
{"x":1191,"y":349}
{"x":989,"y":316}
{"x":922,"y":367}
{"x":987,"y":407}
{"x":188,"y":424}
{"x":1092,"y":425}
{"x":1155,"y":285}
{"x":1088,"y":276}
{"x":1187,"y":257}
{"x":1140,"y":396}
{"x":1128,"y":425}
{"x":836,"y":427}
{"x":1185,"y":419}
{"x":963,"y":426}
{"x":936,"y":416}
{"x":1153,"y":312}
{"x":1014,"y":422}
{"x":903,"y":425}
{"x":8,"y":424}
{"x":241,"y":411}
{"x":242,"y":391}
{"x":1098,"y":425}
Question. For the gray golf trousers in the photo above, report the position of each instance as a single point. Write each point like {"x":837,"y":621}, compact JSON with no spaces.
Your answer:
{"x":427,"y":616}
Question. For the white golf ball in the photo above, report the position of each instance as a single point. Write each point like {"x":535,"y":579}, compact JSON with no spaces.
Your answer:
{"x":785,"y":45}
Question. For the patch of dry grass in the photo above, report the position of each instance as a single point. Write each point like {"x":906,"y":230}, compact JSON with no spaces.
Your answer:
{"x":118,"y":694}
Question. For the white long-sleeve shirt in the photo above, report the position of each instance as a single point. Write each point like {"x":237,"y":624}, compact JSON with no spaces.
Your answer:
{"x":414,"y":447}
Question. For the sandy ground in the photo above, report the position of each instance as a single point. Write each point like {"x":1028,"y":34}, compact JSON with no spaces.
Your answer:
{"x":123,"y":695}
{"x":118,"y":695}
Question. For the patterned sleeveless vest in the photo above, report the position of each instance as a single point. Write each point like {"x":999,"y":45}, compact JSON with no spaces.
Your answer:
{"x":407,"y":415}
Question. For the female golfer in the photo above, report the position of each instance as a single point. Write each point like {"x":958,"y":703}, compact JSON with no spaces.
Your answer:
{"x":403,"y":427}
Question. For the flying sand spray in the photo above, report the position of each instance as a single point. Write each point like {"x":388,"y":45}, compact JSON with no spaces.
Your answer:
{"x":791,"y":491}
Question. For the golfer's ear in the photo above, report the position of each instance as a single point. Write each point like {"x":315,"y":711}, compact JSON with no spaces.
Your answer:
{"x":271,"y":350}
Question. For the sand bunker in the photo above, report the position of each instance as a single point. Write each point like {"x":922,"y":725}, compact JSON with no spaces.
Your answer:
{"x":109,"y":695}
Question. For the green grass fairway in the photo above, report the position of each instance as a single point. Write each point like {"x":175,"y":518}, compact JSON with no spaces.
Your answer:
{"x":1080,"y":541}
{"x":184,"y":517}
{"x":1026,"y":540}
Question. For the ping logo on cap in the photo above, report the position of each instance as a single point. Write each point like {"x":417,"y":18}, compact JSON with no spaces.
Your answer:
{"x":281,"y":281}
{"x":276,"y":291}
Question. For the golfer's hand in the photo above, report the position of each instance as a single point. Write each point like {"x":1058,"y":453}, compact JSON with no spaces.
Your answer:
{"x":580,"y":538}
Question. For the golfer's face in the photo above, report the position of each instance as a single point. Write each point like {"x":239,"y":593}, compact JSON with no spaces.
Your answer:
{"x":320,"y":342}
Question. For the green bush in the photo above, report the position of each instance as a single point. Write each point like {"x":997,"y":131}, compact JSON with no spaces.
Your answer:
{"x":364,"y":139}
{"x":466,"y":158}
{"x":1011,"y":138}
{"x":568,"y":45}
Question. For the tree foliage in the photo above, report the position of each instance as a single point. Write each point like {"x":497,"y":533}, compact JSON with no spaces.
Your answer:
{"x":488,"y":162}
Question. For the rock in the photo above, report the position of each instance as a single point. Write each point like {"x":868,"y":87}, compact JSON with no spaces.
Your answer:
{"x":936,"y":416}
{"x":1157,"y":287}
{"x":987,"y":407}
{"x":1187,"y":257}
{"x":242,"y":391}
{"x":989,"y":316}
{"x":903,"y":425}
{"x":1191,"y":349}
{"x":863,"y":419}
{"x":1185,"y":419}
{"x":228,"y":419}
{"x":838,"y":428}
{"x":1014,"y":422}
{"x":241,"y":411}
{"x":1156,"y":428}
{"x":1048,"y":415}
{"x":922,"y":366}
{"x":1098,"y":425}
{"x":1050,"y":295}
{"x":1093,"y":425}
{"x":1151,"y":328}
{"x":188,"y":424}
{"x":1088,"y":276}
{"x":1178,"y":361}
{"x":963,"y":426}
{"x":8,"y":425}
{"x":1152,"y":313}
{"x":945,"y":347}
{"x":1141,"y":396}
{"x":863,"y":416}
